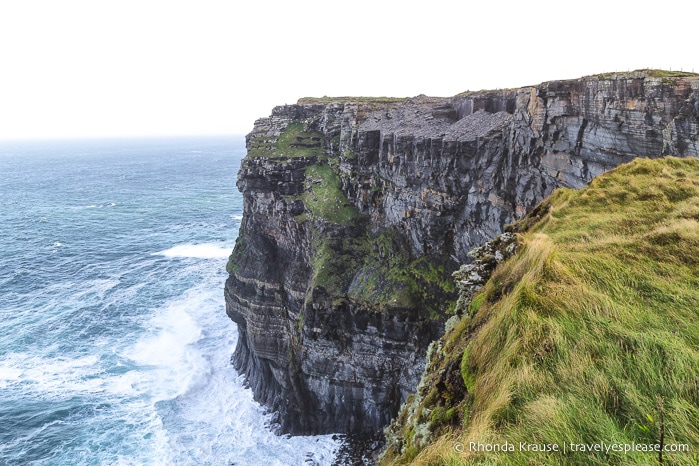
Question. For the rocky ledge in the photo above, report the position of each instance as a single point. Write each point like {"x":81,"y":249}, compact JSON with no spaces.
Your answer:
{"x":357,"y":211}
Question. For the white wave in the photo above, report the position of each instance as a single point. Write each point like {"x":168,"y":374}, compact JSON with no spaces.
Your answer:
{"x":173,"y":375}
{"x":198,"y":251}
{"x":9,"y":375}
{"x":96,"y":206}
{"x":231,"y":426}
{"x":50,"y":378}
{"x":169,"y":362}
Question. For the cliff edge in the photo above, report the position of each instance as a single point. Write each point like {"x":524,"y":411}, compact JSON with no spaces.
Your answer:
{"x":587,"y":336}
{"x":357,"y":211}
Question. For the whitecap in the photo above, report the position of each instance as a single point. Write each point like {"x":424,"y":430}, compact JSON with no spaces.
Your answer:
{"x":51,"y":378}
{"x":198,"y":251}
{"x":230,"y":426}
{"x":172,"y":364}
{"x":237,"y":217}
{"x":9,"y":375}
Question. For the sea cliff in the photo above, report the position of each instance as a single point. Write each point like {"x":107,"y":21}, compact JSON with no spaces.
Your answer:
{"x":357,"y":211}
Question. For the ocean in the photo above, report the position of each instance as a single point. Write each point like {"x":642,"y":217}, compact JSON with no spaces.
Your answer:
{"x":114,"y":343}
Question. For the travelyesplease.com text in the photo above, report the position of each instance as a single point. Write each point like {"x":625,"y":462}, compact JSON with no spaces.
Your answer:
{"x":599,"y":447}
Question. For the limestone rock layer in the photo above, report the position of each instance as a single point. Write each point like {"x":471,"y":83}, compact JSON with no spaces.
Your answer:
{"x":358,"y":210}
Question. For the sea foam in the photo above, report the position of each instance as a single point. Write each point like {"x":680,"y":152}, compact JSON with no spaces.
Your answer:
{"x":197,"y":251}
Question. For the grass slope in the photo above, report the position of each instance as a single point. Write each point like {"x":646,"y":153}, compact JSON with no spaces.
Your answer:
{"x":585,"y":336}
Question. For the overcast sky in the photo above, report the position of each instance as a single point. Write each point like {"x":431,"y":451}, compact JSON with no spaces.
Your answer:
{"x":94,"y":68}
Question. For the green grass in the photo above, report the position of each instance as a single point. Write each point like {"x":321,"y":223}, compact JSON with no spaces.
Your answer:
{"x":295,"y":141}
{"x":336,"y":256}
{"x":577,"y":337}
{"x":324,"y":198}
{"x":233,"y":263}
{"x":670,"y":74}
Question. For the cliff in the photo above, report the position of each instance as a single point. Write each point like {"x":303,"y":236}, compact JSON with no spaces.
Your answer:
{"x":588,"y":334}
{"x":357,"y":211}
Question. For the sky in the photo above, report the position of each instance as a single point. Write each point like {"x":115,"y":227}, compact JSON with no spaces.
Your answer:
{"x":103,"y":68}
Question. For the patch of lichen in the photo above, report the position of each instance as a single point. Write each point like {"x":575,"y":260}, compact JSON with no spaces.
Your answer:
{"x":296,"y":140}
{"x":375,"y":269}
{"x":436,"y":289}
{"x":349,"y":155}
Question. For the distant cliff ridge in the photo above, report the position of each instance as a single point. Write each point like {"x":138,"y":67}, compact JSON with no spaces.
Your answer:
{"x":358,"y":210}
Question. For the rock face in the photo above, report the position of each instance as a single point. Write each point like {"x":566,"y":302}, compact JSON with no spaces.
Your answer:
{"x":357,"y":212}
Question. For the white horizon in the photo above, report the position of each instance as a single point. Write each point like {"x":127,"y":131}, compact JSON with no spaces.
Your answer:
{"x":81,"y":69}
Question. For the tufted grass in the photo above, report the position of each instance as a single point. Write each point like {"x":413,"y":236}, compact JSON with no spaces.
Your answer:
{"x":581,"y":336}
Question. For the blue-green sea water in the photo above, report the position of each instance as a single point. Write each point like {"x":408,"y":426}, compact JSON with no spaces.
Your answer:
{"x":114,"y":343}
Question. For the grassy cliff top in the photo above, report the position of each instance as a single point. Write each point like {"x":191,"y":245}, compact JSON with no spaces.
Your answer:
{"x":644,"y":73}
{"x":351,"y":100}
{"x":641,"y":73}
{"x":621,"y":75}
{"x":589,"y":334}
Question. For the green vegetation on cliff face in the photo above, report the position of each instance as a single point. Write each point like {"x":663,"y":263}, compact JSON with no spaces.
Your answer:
{"x":324,"y":198}
{"x":348,"y":260}
{"x":295,"y":141}
{"x":589,"y":334}
{"x":389,"y":277}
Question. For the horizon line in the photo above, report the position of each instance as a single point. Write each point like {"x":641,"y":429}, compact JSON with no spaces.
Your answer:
{"x":25,"y":139}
